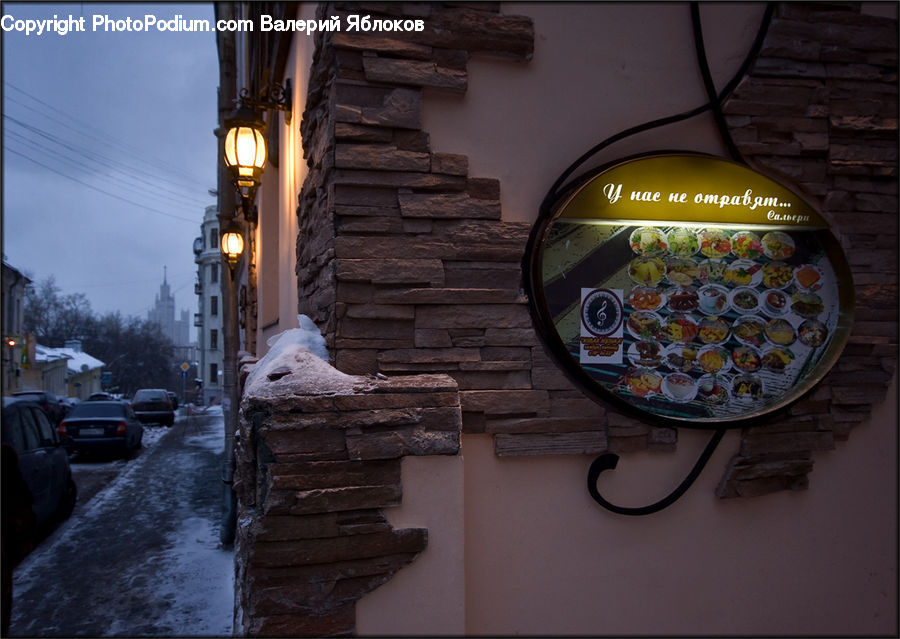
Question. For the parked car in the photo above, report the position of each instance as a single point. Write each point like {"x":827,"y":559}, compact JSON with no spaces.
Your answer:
{"x":153,"y":406}
{"x":173,"y":398}
{"x":102,"y":427}
{"x":49,"y":403}
{"x":43,"y":461}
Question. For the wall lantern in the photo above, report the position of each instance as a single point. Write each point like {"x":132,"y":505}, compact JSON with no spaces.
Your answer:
{"x":245,"y":149}
{"x":689,"y":290}
{"x":245,"y":141}
{"x":232,"y":245}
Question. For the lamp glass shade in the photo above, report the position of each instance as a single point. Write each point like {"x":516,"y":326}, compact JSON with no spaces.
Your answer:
{"x":245,"y":153}
{"x":232,"y":245}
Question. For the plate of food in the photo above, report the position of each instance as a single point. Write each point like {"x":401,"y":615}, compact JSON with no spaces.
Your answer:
{"x":683,"y":299}
{"x":713,"y":359}
{"x":646,"y":298}
{"x":714,"y":243}
{"x":778,"y":245}
{"x":746,"y":359}
{"x":643,"y":382}
{"x":809,"y":277}
{"x":812,"y":333}
{"x":647,"y":270}
{"x":648,"y":240}
{"x":743,"y":273}
{"x":680,"y":328}
{"x":683,"y":242}
{"x":743,"y":300}
{"x":681,"y":357}
{"x":746,"y":245}
{"x":713,"y":389}
{"x":713,"y":330}
{"x":645,"y":353}
{"x":679,"y":387}
{"x":749,"y":330}
{"x":807,"y":304}
{"x":779,"y":331}
{"x":644,"y":325}
{"x":682,"y":271}
{"x":776,"y":359}
{"x":713,"y":299}
{"x":777,"y":275}
{"x":712,"y":271}
{"x":746,"y":386}
{"x":774,"y":303}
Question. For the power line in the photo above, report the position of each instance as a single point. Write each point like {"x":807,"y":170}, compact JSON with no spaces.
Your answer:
{"x":104,"y":161}
{"x":91,"y":186}
{"x":157,"y":163}
{"x":119,"y":182}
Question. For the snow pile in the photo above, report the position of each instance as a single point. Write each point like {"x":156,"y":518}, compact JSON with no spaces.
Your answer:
{"x":297,"y":363}
{"x":307,"y":335}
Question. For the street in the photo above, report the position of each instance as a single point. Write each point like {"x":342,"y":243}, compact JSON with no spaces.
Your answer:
{"x":140,"y":554}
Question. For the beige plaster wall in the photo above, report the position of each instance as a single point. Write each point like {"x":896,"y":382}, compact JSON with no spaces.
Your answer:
{"x":602,"y":69}
{"x":277,"y":203}
{"x":543,"y":558}
{"x":540,"y":557}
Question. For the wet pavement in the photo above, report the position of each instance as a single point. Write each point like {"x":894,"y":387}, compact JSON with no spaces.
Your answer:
{"x":141,"y":555}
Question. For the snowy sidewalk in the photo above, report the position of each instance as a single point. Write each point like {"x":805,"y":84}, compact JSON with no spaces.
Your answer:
{"x":142,"y":557}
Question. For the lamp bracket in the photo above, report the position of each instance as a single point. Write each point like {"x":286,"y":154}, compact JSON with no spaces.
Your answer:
{"x":272,"y":96}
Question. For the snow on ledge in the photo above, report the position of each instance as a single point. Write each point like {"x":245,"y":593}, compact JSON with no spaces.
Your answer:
{"x":296,"y":365}
{"x":292,"y":369}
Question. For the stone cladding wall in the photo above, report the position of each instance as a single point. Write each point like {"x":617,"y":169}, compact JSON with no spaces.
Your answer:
{"x":407,"y":264}
{"x":819,"y":109}
{"x":317,"y":457}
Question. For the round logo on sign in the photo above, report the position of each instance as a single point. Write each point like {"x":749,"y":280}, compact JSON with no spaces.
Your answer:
{"x":601,"y":312}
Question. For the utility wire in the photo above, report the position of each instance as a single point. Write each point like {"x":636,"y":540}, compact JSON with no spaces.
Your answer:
{"x":91,"y":186}
{"x":104,"y":161}
{"x":136,"y":189}
{"x":157,"y":163}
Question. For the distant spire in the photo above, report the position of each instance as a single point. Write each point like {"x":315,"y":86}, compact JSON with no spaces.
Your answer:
{"x":164,"y":274}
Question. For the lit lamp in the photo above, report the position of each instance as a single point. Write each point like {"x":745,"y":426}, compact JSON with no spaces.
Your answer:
{"x":245,"y":149}
{"x":232,"y":245}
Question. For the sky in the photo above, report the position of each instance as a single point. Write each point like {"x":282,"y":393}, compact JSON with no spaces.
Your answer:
{"x":109,"y":154}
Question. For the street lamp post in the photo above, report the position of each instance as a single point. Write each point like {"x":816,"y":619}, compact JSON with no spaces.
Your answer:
{"x":244,"y":154}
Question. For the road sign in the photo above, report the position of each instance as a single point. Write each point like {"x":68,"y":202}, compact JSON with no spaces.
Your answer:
{"x":185,"y":366}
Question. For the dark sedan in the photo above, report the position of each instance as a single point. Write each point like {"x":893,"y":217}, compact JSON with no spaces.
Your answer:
{"x":42,"y":461}
{"x":153,"y":406}
{"x":102,"y":427}
{"x":49,"y":403}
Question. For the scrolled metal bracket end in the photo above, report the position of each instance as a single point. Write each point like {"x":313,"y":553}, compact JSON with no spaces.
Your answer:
{"x":609,"y":461}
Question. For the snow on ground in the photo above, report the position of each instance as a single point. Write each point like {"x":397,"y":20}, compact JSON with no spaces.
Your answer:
{"x":190,"y":571}
{"x":202,"y":584}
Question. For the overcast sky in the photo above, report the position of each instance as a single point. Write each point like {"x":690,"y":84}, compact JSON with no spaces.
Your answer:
{"x":108,"y":153}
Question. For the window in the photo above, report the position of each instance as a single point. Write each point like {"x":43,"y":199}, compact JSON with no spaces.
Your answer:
{"x":47,"y":434}
{"x":30,"y":430}
{"x":214,"y":238}
{"x":213,"y":273}
{"x":214,"y":305}
{"x":213,"y":339}
{"x":213,"y":374}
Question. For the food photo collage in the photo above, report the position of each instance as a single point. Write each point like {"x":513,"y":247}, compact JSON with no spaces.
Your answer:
{"x":717,"y":322}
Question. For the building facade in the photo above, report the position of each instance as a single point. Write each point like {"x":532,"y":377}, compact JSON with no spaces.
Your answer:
{"x":164,"y":315}
{"x":208,"y":319}
{"x":14,"y":338}
{"x":433,"y":480}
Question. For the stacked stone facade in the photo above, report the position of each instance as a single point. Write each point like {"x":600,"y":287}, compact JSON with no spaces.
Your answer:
{"x":407,"y":266}
{"x":819,"y":110}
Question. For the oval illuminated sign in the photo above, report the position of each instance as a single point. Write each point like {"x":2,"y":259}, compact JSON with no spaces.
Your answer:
{"x":689,"y":288}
